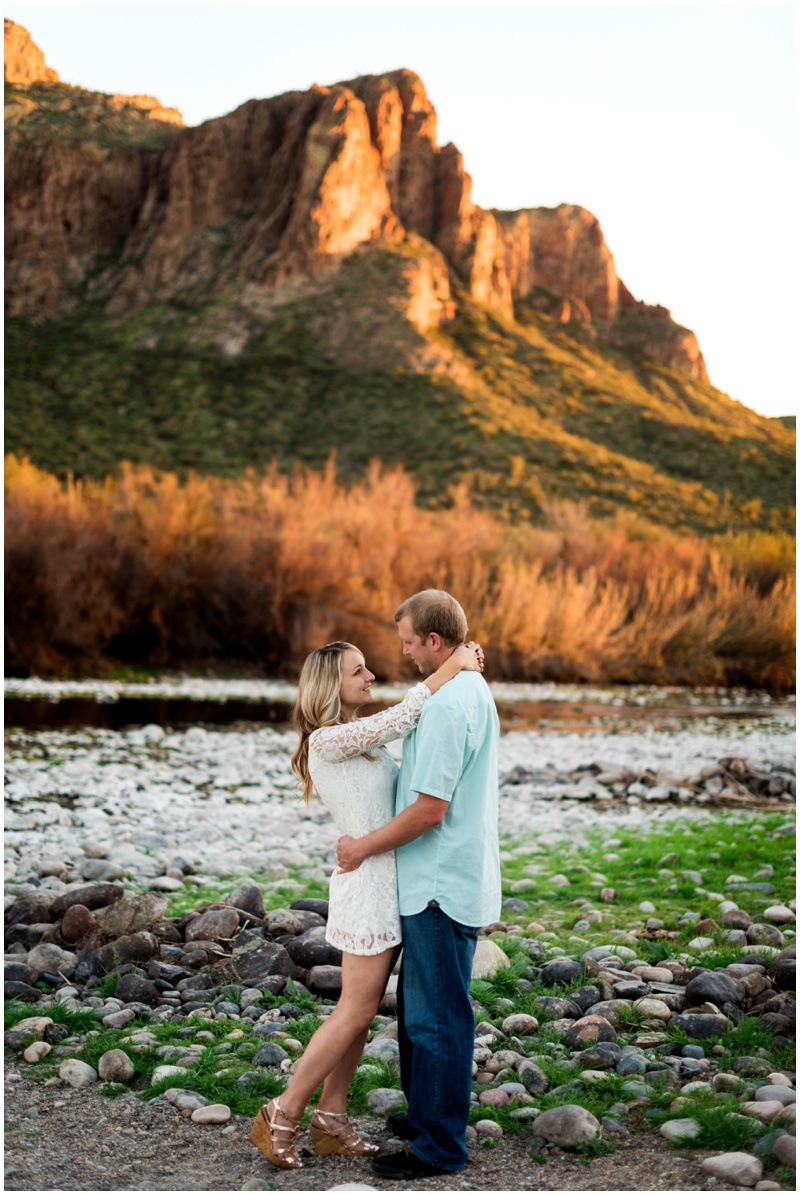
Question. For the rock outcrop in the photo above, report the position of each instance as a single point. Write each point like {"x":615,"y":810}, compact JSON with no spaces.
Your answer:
{"x":23,"y":60}
{"x":276,"y":194}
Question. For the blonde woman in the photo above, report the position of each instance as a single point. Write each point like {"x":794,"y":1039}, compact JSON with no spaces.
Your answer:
{"x":344,"y":759}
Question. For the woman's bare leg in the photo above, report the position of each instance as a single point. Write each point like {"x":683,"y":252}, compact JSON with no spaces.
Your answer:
{"x":336,"y":1047}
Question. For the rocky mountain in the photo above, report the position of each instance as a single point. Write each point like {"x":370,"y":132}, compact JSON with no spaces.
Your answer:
{"x":326,"y":235}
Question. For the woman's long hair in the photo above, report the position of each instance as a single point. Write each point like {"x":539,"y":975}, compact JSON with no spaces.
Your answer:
{"x":318,"y":703}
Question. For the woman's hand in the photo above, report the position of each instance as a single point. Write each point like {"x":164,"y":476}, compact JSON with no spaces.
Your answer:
{"x":469,"y":656}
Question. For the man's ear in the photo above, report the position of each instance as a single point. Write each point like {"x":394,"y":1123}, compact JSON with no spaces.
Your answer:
{"x":436,"y":640}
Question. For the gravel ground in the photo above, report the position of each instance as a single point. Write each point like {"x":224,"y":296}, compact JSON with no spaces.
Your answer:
{"x":63,"y":1139}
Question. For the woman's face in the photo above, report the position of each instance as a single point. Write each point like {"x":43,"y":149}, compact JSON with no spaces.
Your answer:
{"x":356,"y":681}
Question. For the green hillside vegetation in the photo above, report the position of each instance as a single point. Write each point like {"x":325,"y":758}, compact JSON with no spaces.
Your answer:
{"x":524,"y":412}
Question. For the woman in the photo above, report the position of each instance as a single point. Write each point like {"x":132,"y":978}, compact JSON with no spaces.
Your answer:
{"x":345,"y":760}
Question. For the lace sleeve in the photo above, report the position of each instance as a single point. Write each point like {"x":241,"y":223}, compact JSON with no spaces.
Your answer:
{"x":332,"y":744}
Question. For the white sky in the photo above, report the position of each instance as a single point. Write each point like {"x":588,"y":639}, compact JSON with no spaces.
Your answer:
{"x":675,"y":124}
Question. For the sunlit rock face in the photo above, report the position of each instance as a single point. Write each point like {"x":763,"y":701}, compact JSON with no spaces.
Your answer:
{"x":276,"y":195}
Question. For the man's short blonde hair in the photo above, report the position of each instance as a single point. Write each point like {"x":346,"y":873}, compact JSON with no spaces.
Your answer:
{"x":435,"y":611}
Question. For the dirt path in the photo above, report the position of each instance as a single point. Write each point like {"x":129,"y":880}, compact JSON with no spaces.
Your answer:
{"x":62,"y":1139}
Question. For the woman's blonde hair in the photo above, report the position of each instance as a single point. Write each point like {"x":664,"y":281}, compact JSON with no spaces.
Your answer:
{"x":318,"y":703}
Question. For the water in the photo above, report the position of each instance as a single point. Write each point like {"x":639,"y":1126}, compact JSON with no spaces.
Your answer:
{"x":34,"y":704}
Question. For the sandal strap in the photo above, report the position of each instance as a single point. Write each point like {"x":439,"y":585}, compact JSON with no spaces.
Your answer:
{"x":345,"y":1131}
{"x":276,"y":1127}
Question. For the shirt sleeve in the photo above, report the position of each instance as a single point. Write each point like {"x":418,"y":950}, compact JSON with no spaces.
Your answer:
{"x":441,"y":749}
{"x":332,"y":744}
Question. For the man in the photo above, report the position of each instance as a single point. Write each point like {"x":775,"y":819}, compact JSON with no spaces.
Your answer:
{"x":448,"y":869}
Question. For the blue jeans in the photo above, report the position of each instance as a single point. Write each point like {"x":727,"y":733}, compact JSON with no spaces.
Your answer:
{"x":436,"y":1033}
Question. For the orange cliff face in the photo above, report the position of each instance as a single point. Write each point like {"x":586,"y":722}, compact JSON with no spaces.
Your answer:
{"x":276,"y":194}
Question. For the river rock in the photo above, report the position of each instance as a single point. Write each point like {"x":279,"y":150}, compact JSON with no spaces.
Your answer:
{"x":310,"y":949}
{"x":520,"y":1024}
{"x":312,"y":904}
{"x":249,"y":898}
{"x":91,"y":896}
{"x":589,"y":1028}
{"x":77,"y":1073}
{"x":560,"y":970}
{"x":612,"y":1010}
{"x":566,"y":1126}
{"x":751,"y":1067}
{"x":488,"y":959}
{"x":270,"y":1054}
{"x":736,"y":1169}
{"x":102,"y":870}
{"x":115,"y":1067}
{"x":779,"y":915}
{"x":557,"y":1008}
{"x":256,"y":959}
{"x":785,"y":1150}
{"x":36,"y":1051}
{"x":489,"y":1128}
{"x":49,"y":957}
{"x":763,"y":1110}
{"x":717,"y":987}
{"x":325,"y":981}
{"x":131,"y":914}
{"x":131,"y":948}
{"x":681,"y":1130}
{"x":382,"y":1101}
{"x":700,"y":1025}
{"x":284,"y":921}
{"x":765,"y":935}
{"x":784,"y":974}
{"x":212,"y":1114}
{"x":656,"y":1010}
{"x":787,"y":1118}
{"x":600,"y":1056}
{"x":533,"y":1077}
{"x":217,"y":925}
{"x":78,"y":922}
{"x":784,"y":1095}
{"x":135,"y":989}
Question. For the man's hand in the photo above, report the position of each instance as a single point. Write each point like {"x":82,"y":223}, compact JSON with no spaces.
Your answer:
{"x":349,"y":854}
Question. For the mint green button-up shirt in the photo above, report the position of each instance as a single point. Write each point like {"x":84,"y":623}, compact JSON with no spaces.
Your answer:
{"x":452,"y":755}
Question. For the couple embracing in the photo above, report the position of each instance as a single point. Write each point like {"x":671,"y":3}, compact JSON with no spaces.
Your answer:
{"x":419,"y":868}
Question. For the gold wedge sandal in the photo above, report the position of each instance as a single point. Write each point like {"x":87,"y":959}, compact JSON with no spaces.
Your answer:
{"x":275,"y":1140}
{"x":333,"y":1133}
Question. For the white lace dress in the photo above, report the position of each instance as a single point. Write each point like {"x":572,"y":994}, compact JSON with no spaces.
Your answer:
{"x":363,"y":914}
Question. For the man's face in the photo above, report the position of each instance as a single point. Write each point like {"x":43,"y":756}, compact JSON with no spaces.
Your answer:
{"x":423,"y":653}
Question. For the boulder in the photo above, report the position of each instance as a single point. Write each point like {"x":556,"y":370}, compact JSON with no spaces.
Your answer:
{"x":132,"y":948}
